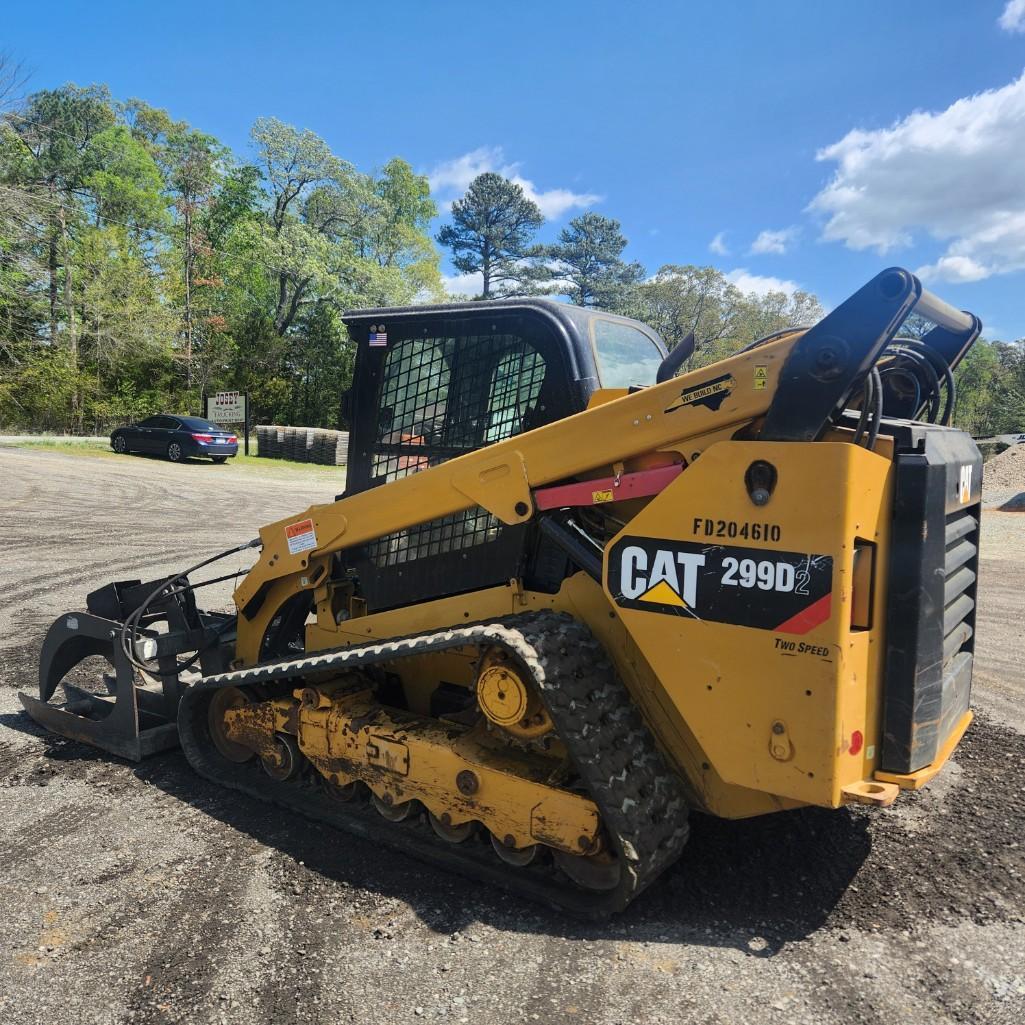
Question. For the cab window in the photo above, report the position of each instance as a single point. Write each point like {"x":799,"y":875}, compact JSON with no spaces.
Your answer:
{"x":624,"y":354}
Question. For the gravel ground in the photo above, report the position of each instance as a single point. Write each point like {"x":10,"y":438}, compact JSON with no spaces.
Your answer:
{"x":143,"y":894}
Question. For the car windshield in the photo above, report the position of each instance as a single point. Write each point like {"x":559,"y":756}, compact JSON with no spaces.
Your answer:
{"x":194,"y":423}
{"x":625,"y":355}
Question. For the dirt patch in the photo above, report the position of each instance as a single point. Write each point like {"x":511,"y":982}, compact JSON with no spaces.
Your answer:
{"x":1003,"y":480}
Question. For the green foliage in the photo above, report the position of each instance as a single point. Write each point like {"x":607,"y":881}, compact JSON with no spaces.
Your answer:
{"x":684,"y":299}
{"x":991,"y":389}
{"x":141,"y":264}
{"x":491,"y":229}
{"x":124,"y":179}
{"x":586,"y":263}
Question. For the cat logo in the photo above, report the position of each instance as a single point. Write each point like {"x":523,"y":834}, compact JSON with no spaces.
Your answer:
{"x":663,"y":578}
{"x":761,"y":588}
{"x":965,"y":484}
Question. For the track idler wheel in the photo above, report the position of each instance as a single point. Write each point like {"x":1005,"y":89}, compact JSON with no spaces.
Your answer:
{"x":517,"y":857}
{"x":598,"y":872}
{"x":284,"y":761}
{"x":223,"y":700}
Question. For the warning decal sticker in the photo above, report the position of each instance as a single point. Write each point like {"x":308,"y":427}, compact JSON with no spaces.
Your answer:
{"x":301,"y":537}
{"x":786,"y":592}
{"x":710,"y":393}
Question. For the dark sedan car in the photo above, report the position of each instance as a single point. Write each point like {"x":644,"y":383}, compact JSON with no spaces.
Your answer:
{"x":176,"y":437}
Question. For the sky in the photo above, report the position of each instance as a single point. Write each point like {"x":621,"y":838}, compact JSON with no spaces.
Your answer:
{"x":791,"y":144}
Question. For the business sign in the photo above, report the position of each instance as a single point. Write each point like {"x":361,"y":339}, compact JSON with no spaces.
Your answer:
{"x":226,"y":407}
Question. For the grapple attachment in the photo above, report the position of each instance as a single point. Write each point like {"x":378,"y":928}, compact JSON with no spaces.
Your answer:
{"x":127,"y":712}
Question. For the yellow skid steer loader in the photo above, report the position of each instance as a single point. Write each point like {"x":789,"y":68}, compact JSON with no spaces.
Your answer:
{"x":568,"y":596}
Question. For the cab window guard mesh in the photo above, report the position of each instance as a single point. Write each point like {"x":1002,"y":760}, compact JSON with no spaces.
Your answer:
{"x":434,"y":407}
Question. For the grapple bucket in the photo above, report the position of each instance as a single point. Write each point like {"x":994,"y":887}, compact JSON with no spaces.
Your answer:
{"x":123,"y":711}
{"x":131,"y":719}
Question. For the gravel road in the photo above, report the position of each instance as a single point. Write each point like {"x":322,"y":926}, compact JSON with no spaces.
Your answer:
{"x":143,"y":894}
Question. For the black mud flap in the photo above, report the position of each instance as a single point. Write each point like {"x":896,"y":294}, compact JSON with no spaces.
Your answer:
{"x":129,"y":720}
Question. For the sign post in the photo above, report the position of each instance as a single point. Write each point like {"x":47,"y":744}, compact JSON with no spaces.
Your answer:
{"x":230,"y":407}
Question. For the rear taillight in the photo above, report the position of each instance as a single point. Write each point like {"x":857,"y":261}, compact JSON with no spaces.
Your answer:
{"x":231,"y":440}
{"x":203,"y":437}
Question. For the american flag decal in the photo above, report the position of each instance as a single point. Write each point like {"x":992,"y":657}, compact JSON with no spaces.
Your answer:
{"x":378,"y":338}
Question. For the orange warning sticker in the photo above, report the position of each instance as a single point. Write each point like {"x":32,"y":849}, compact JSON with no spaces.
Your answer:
{"x":301,"y":537}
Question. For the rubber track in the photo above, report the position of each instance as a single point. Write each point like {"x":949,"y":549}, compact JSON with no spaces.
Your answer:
{"x":640,"y":799}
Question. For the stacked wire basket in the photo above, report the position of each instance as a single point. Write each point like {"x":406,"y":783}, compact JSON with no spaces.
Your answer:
{"x":303,"y":444}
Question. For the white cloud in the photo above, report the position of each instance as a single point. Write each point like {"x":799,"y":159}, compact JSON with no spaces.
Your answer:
{"x":760,"y":284}
{"x":463,"y":284}
{"x":774,"y":241}
{"x":957,"y":175}
{"x":1013,"y":18}
{"x":718,"y":245}
{"x":449,"y":180}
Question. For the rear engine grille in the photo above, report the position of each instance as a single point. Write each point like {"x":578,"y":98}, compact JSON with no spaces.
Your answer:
{"x":962,"y":549}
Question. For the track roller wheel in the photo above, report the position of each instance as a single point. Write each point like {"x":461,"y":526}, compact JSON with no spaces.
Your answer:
{"x":226,"y":698}
{"x":590,"y":871}
{"x":450,"y":833}
{"x":392,"y":812}
{"x":517,"y":857}
{"x":343,"y":792}
{"x":285,"y":762}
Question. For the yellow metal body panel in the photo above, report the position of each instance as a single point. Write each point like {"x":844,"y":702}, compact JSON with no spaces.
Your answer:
{"x":742,"y":690}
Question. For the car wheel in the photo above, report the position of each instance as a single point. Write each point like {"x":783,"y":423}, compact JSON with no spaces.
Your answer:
{"x":174,"y":452}
{"x":219,"y":459}
{"x":119,"y":445}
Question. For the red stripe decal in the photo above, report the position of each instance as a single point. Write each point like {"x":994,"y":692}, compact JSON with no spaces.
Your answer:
{"x":807,"y":619}
{"x":605,"y":489}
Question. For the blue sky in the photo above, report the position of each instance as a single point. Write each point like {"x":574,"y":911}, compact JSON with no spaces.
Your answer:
{"x":803,"y":143}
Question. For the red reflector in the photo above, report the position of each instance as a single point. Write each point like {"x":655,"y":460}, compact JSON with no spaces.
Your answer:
{"x":203,"y":437}
{"x":856,"y":741}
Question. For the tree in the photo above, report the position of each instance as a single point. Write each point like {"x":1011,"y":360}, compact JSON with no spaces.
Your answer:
{"x":490,"y":231}
{"x":679,"y":300}
{"x":683,"y":299}
{"x":193,"y":160}
{"x":12,"y":78}
{"x":764,"y":314}
{"x":586,"y":263}
{"x":140,"y":263}
{"x":297,"y":164}
{"x":55,"y":131}
{"x":124,"y":182}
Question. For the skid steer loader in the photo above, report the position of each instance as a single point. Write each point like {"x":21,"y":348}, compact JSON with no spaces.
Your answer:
{"x":568,"y":596}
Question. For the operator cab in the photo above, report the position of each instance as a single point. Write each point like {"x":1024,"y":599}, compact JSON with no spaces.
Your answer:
{"x":434,"y":382}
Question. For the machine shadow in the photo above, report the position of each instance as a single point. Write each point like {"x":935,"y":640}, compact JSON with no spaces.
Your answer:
{"x":754,"y":885}
{"x":773,"y":880}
